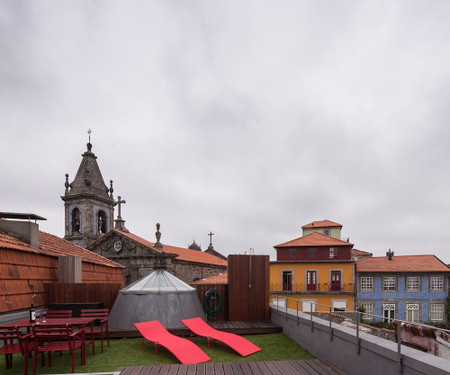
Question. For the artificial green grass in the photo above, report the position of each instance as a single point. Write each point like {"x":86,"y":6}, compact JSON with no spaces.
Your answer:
{"x":128,"y":352}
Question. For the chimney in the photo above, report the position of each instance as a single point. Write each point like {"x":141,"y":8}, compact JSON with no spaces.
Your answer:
{"x":25,"y":231}
{"x":390,"y":254}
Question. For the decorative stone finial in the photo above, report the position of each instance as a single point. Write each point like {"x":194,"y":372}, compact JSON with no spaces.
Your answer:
{"x":111,"y":189}
{"x":67,"y":182}
{"x":158,"y":244}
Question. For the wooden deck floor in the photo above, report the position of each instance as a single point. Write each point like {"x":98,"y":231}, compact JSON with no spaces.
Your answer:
{"x":300,"y":367}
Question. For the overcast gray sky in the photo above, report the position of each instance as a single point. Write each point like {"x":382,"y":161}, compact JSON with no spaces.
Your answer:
{"x":245,"y":118}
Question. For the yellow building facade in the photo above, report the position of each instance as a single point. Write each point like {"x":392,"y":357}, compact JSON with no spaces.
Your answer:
{"x":322,"y":297}
{"x":314,"y":272}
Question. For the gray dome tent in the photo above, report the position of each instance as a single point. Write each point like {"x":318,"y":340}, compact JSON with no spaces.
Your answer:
{"x":158,"y":296}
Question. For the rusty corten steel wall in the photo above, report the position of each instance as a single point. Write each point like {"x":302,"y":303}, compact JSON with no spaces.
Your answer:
{"x":248,"y":287}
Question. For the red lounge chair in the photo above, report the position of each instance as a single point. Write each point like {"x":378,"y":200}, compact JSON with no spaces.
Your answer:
{"x":186,"y":351}
{"x":235,"y":342}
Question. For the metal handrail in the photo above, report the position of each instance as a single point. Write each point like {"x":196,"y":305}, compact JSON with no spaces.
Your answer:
{"x":359,"y":314}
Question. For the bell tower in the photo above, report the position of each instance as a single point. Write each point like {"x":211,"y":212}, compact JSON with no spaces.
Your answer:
{"x":88,"y":202}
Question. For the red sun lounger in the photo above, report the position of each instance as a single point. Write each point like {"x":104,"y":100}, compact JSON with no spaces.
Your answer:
{"x":186,"y":351}
{"x":235,"y":342}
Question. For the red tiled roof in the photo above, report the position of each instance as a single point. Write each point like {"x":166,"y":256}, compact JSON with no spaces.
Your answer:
{"x":402,"y":263}
{"x":314,"y":239}
{"x":322,"y":224}
{"x":186,"y":255}
{"x":361,"y":252}
{"x":218,"y":279}
{"x":52,"y":245}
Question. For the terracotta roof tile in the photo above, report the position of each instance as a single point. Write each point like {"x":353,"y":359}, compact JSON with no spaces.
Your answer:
{"x":218,"y":279}
{"x":52,"y":245}
{"x":322,"y":224}
{"x":361,"y":252}
{"x":402,"y":263}
{"x":314,"y":239}
{"x":187,"y":255}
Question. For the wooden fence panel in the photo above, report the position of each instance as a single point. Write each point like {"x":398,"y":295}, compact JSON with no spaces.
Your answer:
{"x":222,"y":290}
{"x":248,"y":287}
{"x":81,"y":292}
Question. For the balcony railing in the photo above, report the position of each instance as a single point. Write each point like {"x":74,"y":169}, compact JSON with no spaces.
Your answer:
{"x":315,"y":288}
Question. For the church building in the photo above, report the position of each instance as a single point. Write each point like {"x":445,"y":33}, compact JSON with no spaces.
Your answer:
{"x":89,"y":222}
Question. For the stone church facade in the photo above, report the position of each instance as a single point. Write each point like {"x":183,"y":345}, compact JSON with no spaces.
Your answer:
{"x":89,"y":222}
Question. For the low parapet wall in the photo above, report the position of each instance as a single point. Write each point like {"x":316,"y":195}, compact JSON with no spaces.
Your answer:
{"x":354,"y":355}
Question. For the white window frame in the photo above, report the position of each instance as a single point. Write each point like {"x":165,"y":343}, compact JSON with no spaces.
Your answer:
{"x":436,"y":283}
{"x":339,"y":304}
{"x":389,"y":284}
{"x":388,"y":307}
{"x":413,"y":312}
{"x":369,"y":310}
{"x":333,"y":252}
{"x":436,"y":312}
{"x":366,"y":281}
{"x":307,"y":303}
{"x":413,"y":283}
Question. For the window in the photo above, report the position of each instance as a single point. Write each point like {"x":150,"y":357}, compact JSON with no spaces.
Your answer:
{"x":366,"y":283}
{"x":388,"y":312}
{"x":308,"y":305}
{"x":333,"y":252}
{"x":311,"y":280}
{"x":292,"y":253}
{"x":413,"y":283}
{"x":437,"y":283}
{"x":76,"y":222}
{"x":339,"y":305}
{"x":326,"y":232}
{"x":436,"y":311}
{"x":413,"y":312}
{"x":312,"y":252}
{"x":389,"y":283}
{"x":369,"y":310}
{"x":287,"y":281}
{"x":101,"y":222}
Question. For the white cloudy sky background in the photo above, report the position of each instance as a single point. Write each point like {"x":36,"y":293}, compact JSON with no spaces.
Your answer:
{"x":248,"y":119}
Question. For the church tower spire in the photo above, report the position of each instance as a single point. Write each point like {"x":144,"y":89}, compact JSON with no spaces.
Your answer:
{"x":88,"y":202}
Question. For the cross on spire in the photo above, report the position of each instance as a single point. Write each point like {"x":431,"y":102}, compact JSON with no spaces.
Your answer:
{"x":119,"y":203}
{"x":210,"y":234}
{"x":89,"y":132}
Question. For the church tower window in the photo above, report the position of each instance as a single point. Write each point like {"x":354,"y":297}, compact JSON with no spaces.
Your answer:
{"x":76,"y":221}
{"x":101,"y":222}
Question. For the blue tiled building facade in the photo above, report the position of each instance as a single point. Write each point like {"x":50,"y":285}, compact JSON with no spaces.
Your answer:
{"x":387,"y":294}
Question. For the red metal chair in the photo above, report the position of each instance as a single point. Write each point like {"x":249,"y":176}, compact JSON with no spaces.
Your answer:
{"x":57,"y":338}
{"x":14,"y":342}
{"x":100,"y":327}
{"x":57,"y":314}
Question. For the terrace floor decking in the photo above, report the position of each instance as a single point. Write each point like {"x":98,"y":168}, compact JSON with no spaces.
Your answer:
{"x":295,"y":367}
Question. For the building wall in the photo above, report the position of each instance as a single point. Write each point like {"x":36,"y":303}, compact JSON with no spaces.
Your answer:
{"x":23,"y":274}
{"x":189,"y":272}
{"x":333,"y":232}
{"x":401,"y":297}
{"x":322,"y":253}
{"x":323,"y":295}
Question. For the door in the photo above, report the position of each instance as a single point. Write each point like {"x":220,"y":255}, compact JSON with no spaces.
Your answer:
{"x":287,"y":281}
{"x":311,"y":280}
{"x":335,"y":281}
{"x":388,"y":312}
